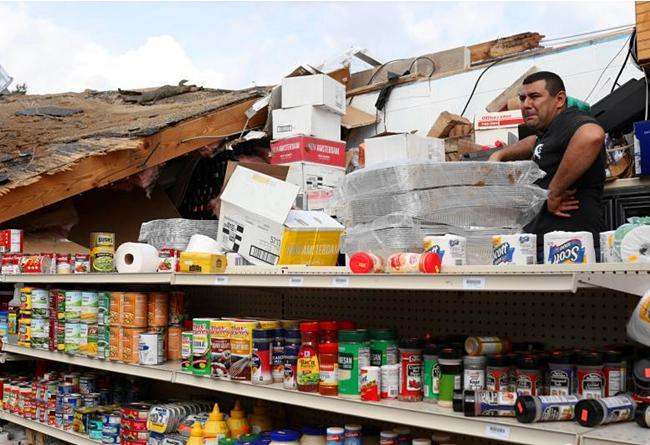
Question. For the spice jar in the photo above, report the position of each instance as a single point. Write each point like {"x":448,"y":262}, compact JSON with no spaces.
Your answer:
{"x":410,"y":388}
{"x":307,"y":368}
{"x":388,"y":438}
{"x":428,"y":262}
{"x":366,"y":262}
{"x":328,"y":359}
{"x":450,"y":375}
{"x":560,"y":373}
{"x":591,"y":381}
{"x":403,"y":436}
{"x":312,"y":436}
{"x":328,"y":331}
{"x":290,"y":359}
{"x":352,"y":435}
{"x":613,"y":372}
{"x":473,"y":372}
{"x":261,"y":358}
{"x":277,"y":355}
{"x":335,"y":435}
{"x":594,"y":412}
{"x":431,"y":374}
{"x":354,"y":354}
{"x":487,"y":345}
{"x":497,"y":373}
{"x":383,"y":347}
{"x":529,"y":375}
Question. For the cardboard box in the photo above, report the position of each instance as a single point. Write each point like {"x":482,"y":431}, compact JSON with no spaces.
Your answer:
{"x":200,"y":262}
{"x":403,"y":147}
{"x":306,"y":120}
{"x":446,"y":123}
{"x":256,"y":222}
{"x":492,"y":127}
{"x":305,"y":148}
{"x":317,"y":183}
{"x":641,"y":148}
{"x":318,"y":90}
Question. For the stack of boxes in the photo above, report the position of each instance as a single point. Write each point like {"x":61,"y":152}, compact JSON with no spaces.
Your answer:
{"x":307,"y":138}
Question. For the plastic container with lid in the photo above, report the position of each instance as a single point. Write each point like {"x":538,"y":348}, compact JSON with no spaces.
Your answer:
{"x":290,"y":359}
{"x":560,"y":374}
{"x":237,"y":423}
{"x":228,"y":441}
{"x":388,"y":438}
{"x":354,"y":354}
{"x":312,"y":435}
{"x":594,"y":412}
{"x":591,"y":380}
{"x":403,"y":436}
{"x":487,"y":345}
{"x":431,"y":383}
{"x":613,"y":372}
{"x":529,"y":375}
{"x":196,"y":435}
{"x":261,"y":358}
{"x":366,"y":262}
{"x":451,"y":371}
{"x":497,"y":373}
{"x":285,"y":437}
{"x":328,"y":356}
{"x":474,"y":372}
{"x":411,"y":370}
{"x":352,"y":435}
{"x":307,"y":368}
{"x":328,"y":331}
{"x":531,"y":409}
{"x":335,"y":435}
{"x":383,"y":347}
{"x":428,"y":262}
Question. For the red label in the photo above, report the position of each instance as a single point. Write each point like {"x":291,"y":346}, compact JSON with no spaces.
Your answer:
{"x":647,"y":373}
{"x":519,"y":407}
{"x":304,"y":148}
{"x":584,"y":415}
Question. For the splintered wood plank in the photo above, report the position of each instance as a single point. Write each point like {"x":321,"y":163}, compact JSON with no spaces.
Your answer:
{"x":98,"y":171}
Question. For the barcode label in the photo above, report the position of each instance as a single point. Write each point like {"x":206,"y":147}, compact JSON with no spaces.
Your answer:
{"x":296,"y":281}
{"x":497,"y":431}
{"x":263,"y":255}
{"x":459,"y":262}
{"x":474,"y":283}
{"x":340,"y":282}
{"x":530,"y":260}
{"x":221,"y":280}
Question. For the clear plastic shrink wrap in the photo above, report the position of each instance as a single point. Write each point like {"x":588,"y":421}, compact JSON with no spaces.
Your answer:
{"x":175,"y":233}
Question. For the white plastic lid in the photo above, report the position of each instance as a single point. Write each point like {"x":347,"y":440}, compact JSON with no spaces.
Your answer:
{"x":335,"y":430}
{"x":422,"y":441}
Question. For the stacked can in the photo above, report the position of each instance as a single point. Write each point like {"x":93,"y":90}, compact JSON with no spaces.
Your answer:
{"x":56,"y":306}
{"x":25,"y":318}
{"x":111,"y":427}
{"x":134,"y":424}
{"x":152,"y":345}
{"x":40,"y":326}
{"x":89,"y":326}
{"x":176,"y":316}
{"x":73,"y":324}
{"x":103,"y":323}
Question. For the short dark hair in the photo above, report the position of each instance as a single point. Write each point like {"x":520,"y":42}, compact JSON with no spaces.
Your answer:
{"x":554,"y":83}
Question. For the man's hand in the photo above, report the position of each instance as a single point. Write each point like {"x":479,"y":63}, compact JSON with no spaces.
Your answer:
{"x":559,"y":204}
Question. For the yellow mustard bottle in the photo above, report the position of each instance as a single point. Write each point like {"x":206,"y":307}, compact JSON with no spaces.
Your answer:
{"x":237,"y":423}
{"x":196,"y":435}
{"x":260,"y":420}
{"x":215,"y":427}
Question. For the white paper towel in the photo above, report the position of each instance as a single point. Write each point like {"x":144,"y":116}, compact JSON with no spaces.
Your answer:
{"x":635,"y":246}
{"x":202,"y":243}
{"x":518,"y":249}
{"x":450,"y":248}
{"x":136,"y":258}
{"x":638,"y":326}
{"x":607,"y":254}
{"x":569,"y":248}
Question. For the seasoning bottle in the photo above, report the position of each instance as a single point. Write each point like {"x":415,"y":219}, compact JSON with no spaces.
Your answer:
{"x":328,"y":331}
{"x":354,"y":354}
{"x":591,"y":381}
{"x":487,"y":345}
{"x":335,"y":435}
{"x":613,"y":371}
{"x":497,"y":373}
{"x":328,"y":357}
{"x":366,"y":262}
{"x":410,"y":376}
{"x":277,"y":355}
{"x":383,"y":347}
{"x":388,"y":438}
{"x":352,"y":435}
{"x":560,"y":373}
{"x":529,"y":375}
{"x":431,"y":374}
{"x":215,"y":427}
{"x":531,"y":409}
{"x":307,"y":376}
{"x":450,"y":375}
{"x":428,"y":262}
{"x":291,"y":351}
{"x":403,"y":436}
{"x":642,"y":416}
{"x":594,"y":412}
{"x":312,"y":436}
{"x":261,"y":358}
{"x":512,"y":364}
{"x":489,"y":403}
{"x":474,"y":372}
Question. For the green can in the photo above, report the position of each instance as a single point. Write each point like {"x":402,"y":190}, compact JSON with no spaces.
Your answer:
{"x":92,"y":340}
{"x":354,"y":354}
{"x":103,"y":308}
{"x":186,"y":351}
{"x":383,"y":347}
{"x":103,"y":342}
{"x":431,"y":374}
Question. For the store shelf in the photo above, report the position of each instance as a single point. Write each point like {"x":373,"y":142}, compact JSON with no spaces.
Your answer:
{"x":623,"y":433}
{"x":420,"y":414}
{"x":67,"y":436}
{"x":89,"y":278}
{"x":162,"y":372}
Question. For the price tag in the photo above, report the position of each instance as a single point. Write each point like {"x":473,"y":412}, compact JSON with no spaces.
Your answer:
{"x":296,"y":281}
{"x":340,"y":282}
{"x":221,"y":280}
{"x":473,"y":282}
{"x":497,"y":431}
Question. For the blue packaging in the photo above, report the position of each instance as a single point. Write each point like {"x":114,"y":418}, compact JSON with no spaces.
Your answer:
{"x":642,"y":148}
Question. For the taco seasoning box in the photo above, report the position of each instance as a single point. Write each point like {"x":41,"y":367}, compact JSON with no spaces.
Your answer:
{"x":560,"y":374}
{"x":241,"y":350}
{"x":594,"y":412}
{"x":431,"y":374}
{"x":497,"y":373}
{"x":186,"y":351}
{"x":410,"y":351}
{"x":591,"y":381}
{"x":220,"y":332}
{"x":354,"y":354}
{"x":201,"y":355}
{"x":102,"y":252}
{"x":613,"y":371}
{"x":531,"y":409}
{"x":451,"y":370}
{"x":529,"y":375}
{"x":261,"y":358}
{"x":474,"y":372}
{"x":307,"y":367}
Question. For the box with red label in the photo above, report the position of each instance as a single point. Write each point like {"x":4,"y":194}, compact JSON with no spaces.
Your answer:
{"x":11,"y":241}
{"x":309,"y":149}
{"x":492,"y":127}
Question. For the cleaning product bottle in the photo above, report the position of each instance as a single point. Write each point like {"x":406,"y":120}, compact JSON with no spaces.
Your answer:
{"x":260,"y":420}
{"x":215,"y":427}
{"x":237,"y":423}
{"x":196,"y":435}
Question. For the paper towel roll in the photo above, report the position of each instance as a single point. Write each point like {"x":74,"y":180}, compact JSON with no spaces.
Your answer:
{"x":204,"y":244}
{"x":607,"y":254}
{"x":619,"y":234}
{"x":638,"y":326}
{"x":635,"y":246}
{"x":136,"y":258}
{"x":518,"y":249}
{"x":569,"y":248}
{"x":450,"y":248}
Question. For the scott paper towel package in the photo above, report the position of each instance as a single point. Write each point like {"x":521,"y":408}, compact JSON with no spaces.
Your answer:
{"x":569,"y":248}
{"x":635,"y":245}
{"x":638,"y":326}
{"x":136,"y":258}
{"x":450,"y":248}
{"x":520,"y":249}
{"x":607,"y":253}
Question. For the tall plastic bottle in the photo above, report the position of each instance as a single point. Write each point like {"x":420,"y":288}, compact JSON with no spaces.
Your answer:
{"x":196,"y":435}
{"x":237,"y":423}
{"x":259,"y":421}
{"x":215,"y":427}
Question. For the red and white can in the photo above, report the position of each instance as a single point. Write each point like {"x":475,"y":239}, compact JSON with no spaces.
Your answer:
{"x":371,"y":383}
{"x":35,"y":264}
{"x":169,"y":260}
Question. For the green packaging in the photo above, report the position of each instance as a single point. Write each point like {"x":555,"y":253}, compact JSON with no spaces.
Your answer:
{"x":431,"y":374}
{"x":103,"y":342}
{"x":186,"y":351}
{"x":201,"y":352}
{"x":103,"y":308}
{"x":383,"y":347}
{"x":354,"y":354}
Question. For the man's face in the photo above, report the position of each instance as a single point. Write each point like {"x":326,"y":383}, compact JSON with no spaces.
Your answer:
{"x":538,"y":107}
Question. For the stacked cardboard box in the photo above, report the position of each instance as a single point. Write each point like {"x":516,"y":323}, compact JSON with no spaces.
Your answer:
{"x":307,"y":138}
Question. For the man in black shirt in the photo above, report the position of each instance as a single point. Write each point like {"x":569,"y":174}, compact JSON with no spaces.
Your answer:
{"x":569,"y":148}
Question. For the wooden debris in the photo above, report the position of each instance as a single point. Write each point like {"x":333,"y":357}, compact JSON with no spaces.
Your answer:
{"x":505,"y":46}
{"x":642,"y":10}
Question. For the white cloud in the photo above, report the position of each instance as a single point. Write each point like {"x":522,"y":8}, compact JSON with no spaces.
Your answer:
{"x":53,"y":59}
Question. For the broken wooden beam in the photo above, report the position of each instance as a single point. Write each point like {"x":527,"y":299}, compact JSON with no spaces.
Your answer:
{"x":505,"y":46}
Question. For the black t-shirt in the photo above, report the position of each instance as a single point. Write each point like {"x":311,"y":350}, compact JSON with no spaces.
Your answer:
{"x":548,"y":153}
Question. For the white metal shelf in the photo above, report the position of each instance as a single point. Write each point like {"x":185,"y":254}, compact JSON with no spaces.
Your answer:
{"x":623,"y":433}
{"x":89,"y":278}
{"x":67,"y":436}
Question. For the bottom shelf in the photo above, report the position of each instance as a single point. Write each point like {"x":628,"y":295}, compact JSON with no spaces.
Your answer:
{"x":622,"y":433}
{"x":67,"y":436}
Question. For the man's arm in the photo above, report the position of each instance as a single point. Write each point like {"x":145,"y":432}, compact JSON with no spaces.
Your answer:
{"x":522,"y":150}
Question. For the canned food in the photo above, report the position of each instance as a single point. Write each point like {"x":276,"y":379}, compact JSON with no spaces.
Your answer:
{"x":103,"y":308}
{"x":158,"y":309}
{"x":87,"y":384}
{"x":110,"y":438}
{"x":36,"y":264}
{"x":130,"y":344}
{"x":25,"y":332}
{"x":111,"y":428}
{"x":40,"y":333}
{"x":135,"y":436}
{"x":40,"y":302}
{"x":92,"y":334}
{"x":151,"y":349}
{"x":174,"y":342}
{"x":57,"y":304}
{"x":103,"y":342}
{"x":102,"y":252}
{"x":89,"y":307}
{"x":26,"y":299}
{"x":72,"y":337}
{"x":135,"y":411}
{"x":81,"y":263}
{"x":115,"y":308}
{"x":115,"y":343}
{"x":72,"y":306}
{"x":111,"y":419}
{"x":63,"y":263}
{"x":134,"y":310}
{"x":176,"y":308}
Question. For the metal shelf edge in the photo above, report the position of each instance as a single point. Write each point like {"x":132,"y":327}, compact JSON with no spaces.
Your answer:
{"x":68,"y":436}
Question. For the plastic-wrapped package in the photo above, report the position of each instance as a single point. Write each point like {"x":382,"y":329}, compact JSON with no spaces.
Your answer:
{"x":175,"y":233}
{"x":463,"y":206}
{"x":406,"y":176}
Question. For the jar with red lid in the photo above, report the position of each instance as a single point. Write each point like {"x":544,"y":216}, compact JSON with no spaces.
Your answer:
{"x":411,"y":370}
{"x":529,"y":375}
{"x":307,"y":367}
{"x":346,"y":325}
{"x":328,"y":331}
{"x":366,"y":262}
{"x":328,"y":356}
{"x":428,"y":262}
{"x":591,"y":380}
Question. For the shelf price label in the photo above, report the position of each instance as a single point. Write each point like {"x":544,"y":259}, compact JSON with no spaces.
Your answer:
{"x":221,"y":280}
{"x":296,"y":281}
{"x":497,"y":431}
{"x":473,"y":282}
{"x":341,"y":282}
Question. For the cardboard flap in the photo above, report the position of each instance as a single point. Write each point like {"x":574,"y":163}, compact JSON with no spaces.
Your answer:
{"x":260,"y":194}
{"x":304,"y":220}
{"x":355,"y":118}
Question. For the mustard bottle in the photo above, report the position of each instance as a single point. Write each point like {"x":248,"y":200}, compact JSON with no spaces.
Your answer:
{"x":237,"y":423}
{"x":215,"y":427}
{"x":260,"y":420}
{"x":196,"y":435}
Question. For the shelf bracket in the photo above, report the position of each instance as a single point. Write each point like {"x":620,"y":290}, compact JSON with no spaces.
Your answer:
{"x":631,"y":283}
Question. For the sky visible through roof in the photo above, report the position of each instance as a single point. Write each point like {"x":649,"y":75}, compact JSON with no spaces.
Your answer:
{"x":70,"y":46}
